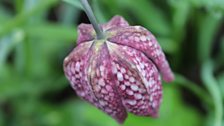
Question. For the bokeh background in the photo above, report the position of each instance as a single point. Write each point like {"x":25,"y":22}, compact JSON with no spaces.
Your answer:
{"x":36,"y":35}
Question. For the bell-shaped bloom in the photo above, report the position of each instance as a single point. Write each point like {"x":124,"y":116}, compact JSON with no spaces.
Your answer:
{"x":120,"y":73}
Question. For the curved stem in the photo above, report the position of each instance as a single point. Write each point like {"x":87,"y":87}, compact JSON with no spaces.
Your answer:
{"x":212,"y":86}
{"x":201,"y":93}
{"x":89,"y":13}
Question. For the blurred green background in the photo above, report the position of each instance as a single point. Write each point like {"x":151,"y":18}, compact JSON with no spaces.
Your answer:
{"x":35,"y":36}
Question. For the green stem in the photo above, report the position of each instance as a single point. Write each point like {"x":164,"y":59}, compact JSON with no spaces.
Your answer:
{"x":89,"y":13}
{"x":202,"y":94}
{"x":212,"y":86}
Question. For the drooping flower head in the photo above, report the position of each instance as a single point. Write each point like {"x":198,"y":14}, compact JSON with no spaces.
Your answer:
{"x":120,"y":73}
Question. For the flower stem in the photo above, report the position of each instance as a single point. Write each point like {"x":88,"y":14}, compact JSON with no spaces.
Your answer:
{"x":89,"y":13}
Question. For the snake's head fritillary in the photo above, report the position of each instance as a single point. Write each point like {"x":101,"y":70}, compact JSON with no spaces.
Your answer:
{"x":120,"y":73}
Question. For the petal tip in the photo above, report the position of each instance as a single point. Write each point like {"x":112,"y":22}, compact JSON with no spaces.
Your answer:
{"x":116,"y":21}
{"x":169,"y":78}
{"x":122,"y":120}
{"x":66,"y":59}
{"x":85,"y":33}
{"x":155,"y":115}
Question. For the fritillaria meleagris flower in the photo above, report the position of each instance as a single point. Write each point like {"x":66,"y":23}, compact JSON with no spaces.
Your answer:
{"x":120,"y":73}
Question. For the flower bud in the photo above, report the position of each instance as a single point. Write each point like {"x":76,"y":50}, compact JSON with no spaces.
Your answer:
{"x":120,"y":73}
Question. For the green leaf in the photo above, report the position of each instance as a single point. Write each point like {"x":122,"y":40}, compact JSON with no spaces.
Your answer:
{"x":2,"y":118}
{"x":194,"y":88}
{"x":221,"y":83}
{"x":52,"y":32}
{"x":180,"y":15}
{"x":68,"y":14}
{"x":149,"y":15}
{"x":212,"y":86}
{"x":208,"y":25}
{"x":8,"y":43}
{"x":168,"y":45}
{"x":75,"y":3}
{"x":24,"y":16}
{"x":5,"y":15}
{"x":100,"y":14}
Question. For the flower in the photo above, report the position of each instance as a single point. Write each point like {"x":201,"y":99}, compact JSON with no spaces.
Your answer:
{"x":120,"y":73}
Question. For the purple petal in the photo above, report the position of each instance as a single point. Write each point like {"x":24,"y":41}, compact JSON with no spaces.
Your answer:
{"x":103,"y":84}
{"x":138,"y":80}
{"x":75,"y":71}
{"x":141,"y":39}
{"x":85,"y":33}
{"x":88,"y":69}
{"x":116,"y":21}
